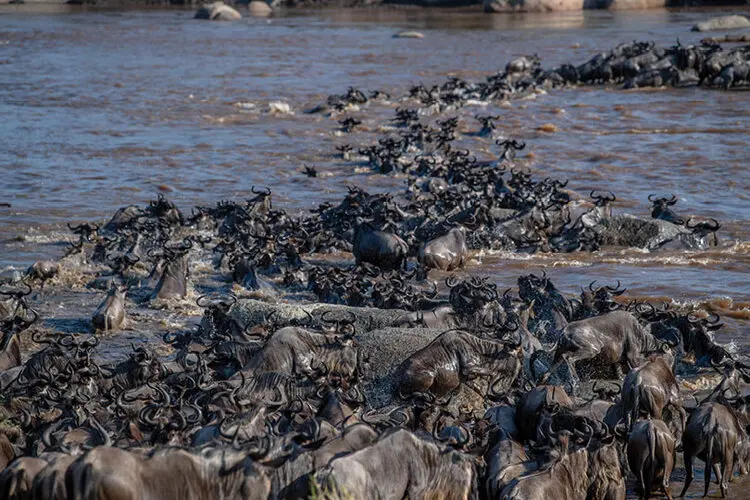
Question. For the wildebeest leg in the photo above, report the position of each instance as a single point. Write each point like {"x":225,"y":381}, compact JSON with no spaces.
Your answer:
{"x":709,"y":465}
{"x":642,"y":486}
{"x":665,"y":487}
{"x":688,"y":473}
{"x":556,"y":362}
{"x":619,"y":374}
{"x":683,"y":417}
{"x":727,"y":472}
{"x":719,"y":477}
{"x":560,"y":358}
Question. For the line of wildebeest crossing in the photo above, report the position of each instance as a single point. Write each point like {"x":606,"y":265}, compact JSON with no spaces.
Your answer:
{"x":380,"y":384}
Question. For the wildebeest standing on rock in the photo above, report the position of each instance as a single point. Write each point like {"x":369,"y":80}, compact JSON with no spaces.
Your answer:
{"x":297,"y":351}
{"x":607,"y":341}
{"x":456,"y":356}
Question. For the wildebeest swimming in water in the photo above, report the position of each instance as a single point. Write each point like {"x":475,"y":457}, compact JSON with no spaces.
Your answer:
{"x":385,"y":250}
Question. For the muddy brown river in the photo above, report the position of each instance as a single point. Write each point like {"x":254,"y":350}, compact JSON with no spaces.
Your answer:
{"x":106,"y":108}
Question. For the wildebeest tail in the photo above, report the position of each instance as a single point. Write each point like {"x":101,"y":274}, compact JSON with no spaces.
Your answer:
{"x":636,"y":407}
{"x":474,"y":492}
{"x":79,"y":485}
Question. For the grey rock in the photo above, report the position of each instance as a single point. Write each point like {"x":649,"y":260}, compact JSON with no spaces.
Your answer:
{"x":249,"y":313}
{"x":408,"y":34}
{"x":723,"y":23}
{"x":626,"y":230}
{"x":217,"y":11}
{"x":259,"y":8}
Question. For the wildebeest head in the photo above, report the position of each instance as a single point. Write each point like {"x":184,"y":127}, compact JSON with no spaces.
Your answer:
{"x":704,"y":229}
{"x":661,"y":209}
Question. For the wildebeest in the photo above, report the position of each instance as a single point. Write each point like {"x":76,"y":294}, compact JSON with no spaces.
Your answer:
{"x":10,"y":345}
{"x":16,"y":479}
{"x":506,"y":460}
{"x":606,"y":341}
{"x":49,"y":483}
{"x":651,"y":456}
{"x":447,"y":252}
{"x":43,"y":270}
{"x":111,"y":312}
{"x":649,"y":388}
{"x":400,"y":465}
{"x":297,"y":351}
{"x":565,"y":476}
{"x":291,"y":480}
{"x":716,"y":433}
{"x":169,"y":473}
{"x":503,"y":418}
{"x":10,"y":351}
{"x":385,"y":250}
{"x":609,"y":413}
{"x":7,"y":453}
{"x":532,"y":404}
{"x":606,"y":481}
{"x":661,"y":210}
{"x":456,"y":356}
{"x":174,"y":276}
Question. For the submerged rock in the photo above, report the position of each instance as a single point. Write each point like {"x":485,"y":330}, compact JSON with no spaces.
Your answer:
{"x":723,"y":23}
{"x":217,"y":11}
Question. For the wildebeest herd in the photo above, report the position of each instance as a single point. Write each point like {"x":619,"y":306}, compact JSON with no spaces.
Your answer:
{"x":523,"y":394}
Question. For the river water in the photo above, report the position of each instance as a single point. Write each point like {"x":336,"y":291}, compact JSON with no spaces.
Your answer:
{"x":106,"y":108}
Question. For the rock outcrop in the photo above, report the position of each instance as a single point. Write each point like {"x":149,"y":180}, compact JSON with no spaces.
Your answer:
{"x":723,"y":23}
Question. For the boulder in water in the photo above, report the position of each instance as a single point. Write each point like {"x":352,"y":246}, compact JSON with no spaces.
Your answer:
{"x":537,"y":5}
{"x":625,"y":230}
{"x":723,"y":23}
{"x":217,"y":11}
{"x":259,"y":8}
{"x":408,"y":34}
{"x":634,"y":4}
